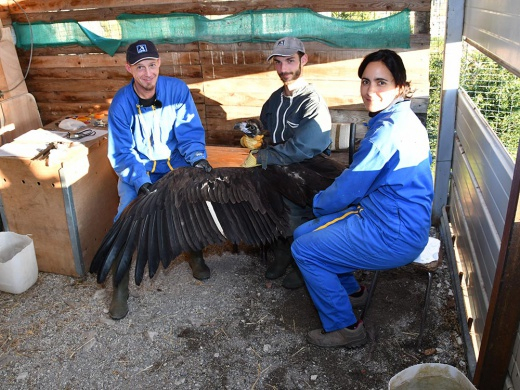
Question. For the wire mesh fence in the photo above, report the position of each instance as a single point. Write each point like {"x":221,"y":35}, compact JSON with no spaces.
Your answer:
{"x":496,"y":92}
{"x":493,"y":89}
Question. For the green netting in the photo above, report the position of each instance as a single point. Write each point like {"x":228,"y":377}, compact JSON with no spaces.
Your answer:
{"x":249,"y":26}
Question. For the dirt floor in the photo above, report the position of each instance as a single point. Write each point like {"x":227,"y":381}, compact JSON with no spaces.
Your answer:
{"x":235,"y":331}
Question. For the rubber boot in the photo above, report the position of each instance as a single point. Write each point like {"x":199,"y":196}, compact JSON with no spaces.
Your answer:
{"x":119,"y":304}
{"x":282,"y":258}
{"x":294,"y":279}
{"x":198,"y":266}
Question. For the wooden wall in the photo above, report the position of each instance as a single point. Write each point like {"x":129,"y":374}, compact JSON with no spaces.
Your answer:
{"x":228,"y":82}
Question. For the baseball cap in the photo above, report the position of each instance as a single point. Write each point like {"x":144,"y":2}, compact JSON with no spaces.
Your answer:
{"x":286,"y":47}
{"x":141,"y":50}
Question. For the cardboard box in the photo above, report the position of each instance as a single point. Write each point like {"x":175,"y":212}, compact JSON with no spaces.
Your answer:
{"x":67,"y":207}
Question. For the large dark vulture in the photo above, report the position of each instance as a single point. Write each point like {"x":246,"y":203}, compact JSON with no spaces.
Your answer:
{"x":189,"y":209}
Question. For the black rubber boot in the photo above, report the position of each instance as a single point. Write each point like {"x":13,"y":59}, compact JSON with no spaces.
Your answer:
{"x":282,"y":258}
{"x":294,"y":279}
{"x":119,"y":305}
{"x":198,"y":266}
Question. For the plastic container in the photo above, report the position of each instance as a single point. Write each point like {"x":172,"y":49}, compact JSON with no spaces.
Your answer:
{"x":430,"y":376}
{"x":18,"y":267}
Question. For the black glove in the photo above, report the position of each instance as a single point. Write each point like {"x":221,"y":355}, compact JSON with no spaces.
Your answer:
{"x":144,"y":189}
{"x":203,"y":164}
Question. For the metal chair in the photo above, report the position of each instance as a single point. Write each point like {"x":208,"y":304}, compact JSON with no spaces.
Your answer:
{"x":430,"y":269}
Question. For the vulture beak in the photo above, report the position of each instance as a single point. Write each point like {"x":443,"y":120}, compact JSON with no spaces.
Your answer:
{"x":251,"y":127}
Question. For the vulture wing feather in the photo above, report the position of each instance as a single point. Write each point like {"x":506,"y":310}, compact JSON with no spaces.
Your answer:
{"x":189,"y":209}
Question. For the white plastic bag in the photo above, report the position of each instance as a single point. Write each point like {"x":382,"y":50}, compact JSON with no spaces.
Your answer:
{"x":18,"y":267}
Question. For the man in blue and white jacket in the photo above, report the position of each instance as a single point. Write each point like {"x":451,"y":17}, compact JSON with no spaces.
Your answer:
{"x":153,"y":128}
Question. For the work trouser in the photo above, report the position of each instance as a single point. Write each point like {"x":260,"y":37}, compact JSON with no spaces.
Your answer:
{"x":330,"y":248}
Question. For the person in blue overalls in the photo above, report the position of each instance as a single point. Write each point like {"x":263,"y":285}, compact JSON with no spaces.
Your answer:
{"x":153,"y":128}
{"x":377,"y":214}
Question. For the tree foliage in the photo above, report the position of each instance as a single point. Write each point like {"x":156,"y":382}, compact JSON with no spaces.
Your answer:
{"x":496,"y":92}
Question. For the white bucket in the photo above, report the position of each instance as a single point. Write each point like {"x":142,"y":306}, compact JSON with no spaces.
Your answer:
{"x":430,"y":376}
{"x":18,"y":267}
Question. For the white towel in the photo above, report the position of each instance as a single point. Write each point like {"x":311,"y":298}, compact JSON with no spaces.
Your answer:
{"x":430,"y":253}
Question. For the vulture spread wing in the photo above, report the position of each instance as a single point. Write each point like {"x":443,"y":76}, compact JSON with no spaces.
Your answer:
{"x":189,"y":209}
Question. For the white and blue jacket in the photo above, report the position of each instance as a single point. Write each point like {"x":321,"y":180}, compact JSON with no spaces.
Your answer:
{"x":145,"y":140}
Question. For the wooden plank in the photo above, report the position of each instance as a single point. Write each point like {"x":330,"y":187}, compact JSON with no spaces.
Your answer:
{"x":104,"y":60}
{"x":19,"y":114}
{"x":33,"y":204}
{"x":77,"y":49}
{"x":38,"y":84}
{"x":232,"y":113}
{"x":222,"y":138}
{"x":73,"y":96}
{"x":417,"y":42}
{"x":221,"y":156}
{"x":12,"y":81}
{"x":220,"y":125}
{"x":349,"y":116}
{"x":110,"y":9}
{"x":95,"y":197}
{"x":93,"y":74}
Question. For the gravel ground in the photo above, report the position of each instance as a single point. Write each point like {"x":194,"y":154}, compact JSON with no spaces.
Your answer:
{"x":235,"y":331}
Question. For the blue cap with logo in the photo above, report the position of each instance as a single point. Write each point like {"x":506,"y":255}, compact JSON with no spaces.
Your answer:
{"x":141,"y":50}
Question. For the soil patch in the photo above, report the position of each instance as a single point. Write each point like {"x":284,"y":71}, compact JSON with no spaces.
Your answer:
{"x":235,"y":331}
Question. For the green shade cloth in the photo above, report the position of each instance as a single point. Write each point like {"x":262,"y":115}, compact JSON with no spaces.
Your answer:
{"x":248,"y":26}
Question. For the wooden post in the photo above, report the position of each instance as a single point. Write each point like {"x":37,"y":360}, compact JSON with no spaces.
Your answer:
{"x":450,"y":85}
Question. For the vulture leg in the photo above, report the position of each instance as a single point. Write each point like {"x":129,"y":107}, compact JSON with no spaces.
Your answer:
{"x":282,"y":258}
{"x":198,"y":266}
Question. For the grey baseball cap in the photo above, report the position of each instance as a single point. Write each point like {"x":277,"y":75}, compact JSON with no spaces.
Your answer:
{"x":286,"y":47}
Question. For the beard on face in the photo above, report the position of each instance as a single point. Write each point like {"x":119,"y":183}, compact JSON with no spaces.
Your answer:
{"x":296,"y":75}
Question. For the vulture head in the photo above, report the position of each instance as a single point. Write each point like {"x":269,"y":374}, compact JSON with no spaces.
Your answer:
{"x":255,"y":137}
{"x":189,"y":209}
{"x":250,"y":127}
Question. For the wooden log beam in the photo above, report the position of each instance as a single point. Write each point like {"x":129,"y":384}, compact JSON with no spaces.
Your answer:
{"x":56,"y":10}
